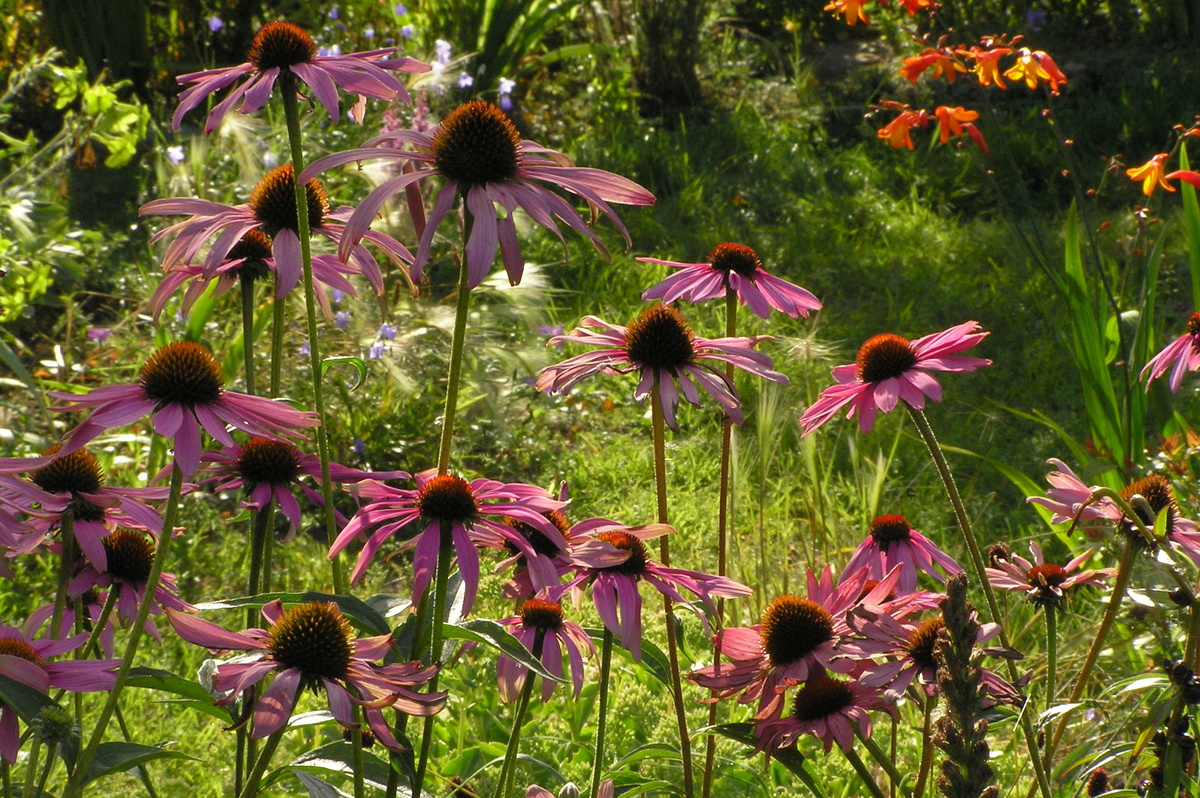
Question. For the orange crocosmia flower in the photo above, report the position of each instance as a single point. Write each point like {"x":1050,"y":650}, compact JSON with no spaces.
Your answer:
{"x":1188,"y":177}
{"x":941,"y":61}
{"x":898,"y":132}
{"x":976,"y":137}
{"x":1035,"y":66}
{"x":852,"y":10}
{"x":950,"y":121}
{"x":1151,"y":173}
{"x":987,"y":64}
{"x":913,"y":6}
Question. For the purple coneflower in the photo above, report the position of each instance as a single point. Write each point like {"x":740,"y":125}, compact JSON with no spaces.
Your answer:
{"x":270,"y":470}
{"x":799,"y":636}
{"x":662,"y":348}
{"x":737,"y":268}
{"x":545,"y":618}
{"x":479,"y":152}
{"x":908,"y":647}
{"x":893,"y":542}
{"x":615,"y":561}
{"x":1043,"y":583}
{"x":24,"y":660}
{"x":271,"y":209}
{"x":475,"y":512}
{"x":312,"y":646}
{"x":282,"y":46}
{"x":250,"y":259}
{"x":73,"y":483}
{"x":830,"y":709}
{"x":182,"y":386}
{"x":1068,"y":493}
{"x":129,"y":555}
{"x":537,"y":791}
{"x":889,"y":369}
{"x":1180,"y":356}
{"x":93,"y":606}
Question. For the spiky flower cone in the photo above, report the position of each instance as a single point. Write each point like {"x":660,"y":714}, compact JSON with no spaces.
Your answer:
{"x":961,"y":733}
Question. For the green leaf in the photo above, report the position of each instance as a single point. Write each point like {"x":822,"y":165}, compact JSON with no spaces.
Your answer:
{"x":357,"y":362}
{"x":653,"y":658}
{"x":789,"y":757}
{"x":493,"y":634}
{"x":164,"y":681}
{"x":338,"y":757}
{"x":357,"y":610}
{"x":118,"y":757}
{"x":27,"y":701}
{"x":10,"y":359}
{"x":316,"y":787}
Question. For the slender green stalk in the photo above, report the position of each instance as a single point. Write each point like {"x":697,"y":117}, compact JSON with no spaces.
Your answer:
{"x":247,"y":284}
{"x":143,"y":774}
{"x":881,"y":757}
{"x":509,"y":770}
{"x":237,"y":762}
{"x":864,"y":773}
{"x":441,"y":579}
{"x":261,"y":764}
{"x":1193,"y":638}
{"x":356,"y":755}
{"x":457,"y":346}
{"x":6,"y":778}
{"x":660,"y":480}
{"x":45,"y":774}
{"x":74,"y":787}
{"x":277,"y":308}
{"x":66,"y":568}
{"x":977,"y":563}
{"x":926,"y":748}
{"x":602,"y":721}
{"x":261,"y":526}
{"x":35,"y":751}
{"x":1120,"y":584}
{"x":287,"y":87}
{"x":710,"y":747}
{"x":1051,"y":657}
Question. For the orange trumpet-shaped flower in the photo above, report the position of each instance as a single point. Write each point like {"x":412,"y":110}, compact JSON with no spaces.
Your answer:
{"x":898,"y":132}
{"x":1034,"y":66}
{"x":913,"y":6}
{"x":1151,"y":173}
{"x":1188,"y":177}
{"x":852,"y":10}
{"x":950,"y":121}
{"x":987,"y":64}
{"x":941,"y":61}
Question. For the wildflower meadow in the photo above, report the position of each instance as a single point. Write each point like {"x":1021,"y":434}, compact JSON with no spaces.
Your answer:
{"x":559,"y":398}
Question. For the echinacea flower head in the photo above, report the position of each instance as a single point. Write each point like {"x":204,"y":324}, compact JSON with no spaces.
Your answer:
{"x":737,"y":268}
{"x":614,"y":561}
{"x":182,"y":388}
{"x":799,"y":638}
{"x":73,"y":484}
{"x":30,"y":662}
{"x":270,"y":470}
{"x":1150,"y":497}
{"x":251,"y":259}
{"x":668,"y":356}
{"x":478,"y":152}
{"x":1045,"y":584}
{"x":890,"y":369}
{"x":543,"y":619}
{"x":893,"y":542}
{"x":1151,"y":174}
{"x":129,"y":558}
{"x":272,"y":210}
{"x":830,"y":709}
{"x":1179,"y":357}
{"x":473,"y":513}
{"x":280,"y":47}
{"x":313,"y":646}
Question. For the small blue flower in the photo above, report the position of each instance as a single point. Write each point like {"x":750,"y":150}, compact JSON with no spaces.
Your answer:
{"x":376,"y":351}
{"x":506,"y":102}
{"x":387,"y":332}
{"x":215,"y":24}
{"x":441,"y":50}
{"x":336,"y":296}
{"x":465,"y":81}
{"x":305,"y":349}
{"x":99,"y":334}
{"x":341,"y":319}
{"x":175,"y":155}
{"x":407,"y":31}
{"x":270,"y":159}
{"x":334,"y":13}
{"x":360,"y":446}
{"x":400,"y":9}
{"x":368,"y":33}
{"x":506,"y":86}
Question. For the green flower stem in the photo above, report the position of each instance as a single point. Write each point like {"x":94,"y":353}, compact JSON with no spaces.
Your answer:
{"x":261,"y":526}
{"x":602,"y":721}
{"x":926,"y":748}
{"x":508,"y":772}
{"x":248,"y":332}
{"x":240,"y":754}
{"x":45,"y":774}
{"x":66,"y":569}
{"x":458,"y":344}
{"x":977,"y":563}
{"x":74,"y":788}
{"x":710,"y":747}
{"x":441,"y":579}
{"x":35,"y":751}
{"x":1124,"y":573}
{"x":1193,"y":638}
{"x":278,"y":306}
{"x":664,"y":547}
{"x":1051,"y":658}
{"x":287,"y":87}
{"x":860,"y":767}
{"x":882,"y":758}
{"x":6,"y":778}
{"x":261,"y":764}
{"x":356,"y":749}
{"x":143,"y":773}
